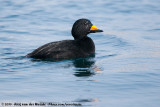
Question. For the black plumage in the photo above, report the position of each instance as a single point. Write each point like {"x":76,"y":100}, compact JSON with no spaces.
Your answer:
{"x":81,"y":46}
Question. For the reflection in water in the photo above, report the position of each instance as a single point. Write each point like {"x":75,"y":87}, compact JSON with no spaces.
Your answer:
{"x":84,"y":66}
{"x":84,"y":73}
{"x":84,"y":62}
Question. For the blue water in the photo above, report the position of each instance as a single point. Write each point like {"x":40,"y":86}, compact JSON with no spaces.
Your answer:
{"x":124,"y":73}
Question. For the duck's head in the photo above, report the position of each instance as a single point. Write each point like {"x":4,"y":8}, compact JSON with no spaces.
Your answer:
{"x":82,"y":27}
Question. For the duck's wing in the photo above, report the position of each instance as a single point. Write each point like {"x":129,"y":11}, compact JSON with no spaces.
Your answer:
{"x":56,"y":50}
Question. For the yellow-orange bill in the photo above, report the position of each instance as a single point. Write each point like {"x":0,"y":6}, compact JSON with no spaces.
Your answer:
{"x":94,"y":27}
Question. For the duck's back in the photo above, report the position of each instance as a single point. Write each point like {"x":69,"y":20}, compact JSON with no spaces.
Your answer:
{"x":65,"y":49}
{"x":56,"y":50}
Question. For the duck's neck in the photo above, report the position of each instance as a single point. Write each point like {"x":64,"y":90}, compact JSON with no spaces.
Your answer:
{"x":87,"y":44}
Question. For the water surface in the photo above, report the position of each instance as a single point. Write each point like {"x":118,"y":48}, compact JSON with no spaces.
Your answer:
{"x":124,"y":73}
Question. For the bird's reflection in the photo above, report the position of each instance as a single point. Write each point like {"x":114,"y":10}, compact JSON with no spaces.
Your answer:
{"x":83,"y":66}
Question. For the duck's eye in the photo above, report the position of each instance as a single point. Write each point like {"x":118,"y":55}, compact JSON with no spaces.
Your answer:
{"x":85,"y":23}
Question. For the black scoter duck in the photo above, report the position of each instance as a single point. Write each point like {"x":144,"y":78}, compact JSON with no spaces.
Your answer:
{"x":81,"y":46}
